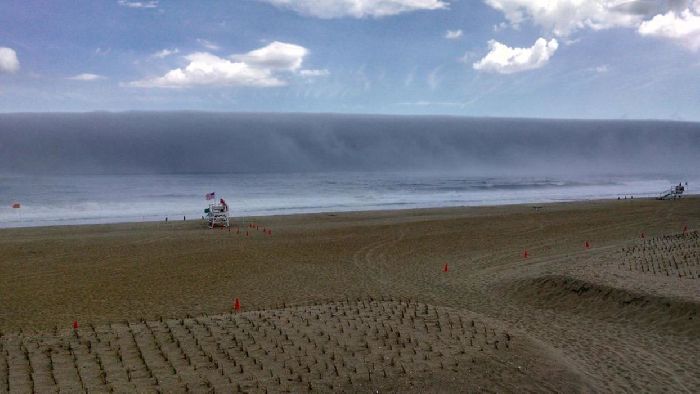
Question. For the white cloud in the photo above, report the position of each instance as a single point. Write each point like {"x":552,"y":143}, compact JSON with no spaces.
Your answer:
{"x":276,"y":55}
{"x":8,"y":60}
{"x":311,"y":73}
{"x":165,"y":53}
{"x":138,"y":4}
{"x":207,"y":69}
{"x":683,"y":26}
{"x":563,"y":17}
{"x":328,"y":9}
{"x":453,"y":34}
{"x":258,"y":68}
{"x":86,"y":77}
{"x":503,"y":59}
{"x":208,"y":44}
{"x":677,"y":20}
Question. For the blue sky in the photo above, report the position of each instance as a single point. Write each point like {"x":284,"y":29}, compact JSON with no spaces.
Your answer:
{"x":513,"y":58}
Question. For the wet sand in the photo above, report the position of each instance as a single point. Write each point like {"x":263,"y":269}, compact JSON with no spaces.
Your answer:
{"x":361,"y":301}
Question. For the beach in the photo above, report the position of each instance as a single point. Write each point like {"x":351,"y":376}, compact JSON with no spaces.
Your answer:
{"x":581,"y":296}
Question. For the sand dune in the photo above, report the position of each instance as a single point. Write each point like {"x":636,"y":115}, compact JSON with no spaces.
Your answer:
{"x":573,"y":295}
{"x":334,"y":302}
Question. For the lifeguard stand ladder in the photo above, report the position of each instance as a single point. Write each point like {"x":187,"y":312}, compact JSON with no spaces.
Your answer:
{"x":217,"y":215}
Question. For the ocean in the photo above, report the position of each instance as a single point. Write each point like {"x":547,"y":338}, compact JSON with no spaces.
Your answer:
{"x":80,"y":199}
{"x":105,"y":167}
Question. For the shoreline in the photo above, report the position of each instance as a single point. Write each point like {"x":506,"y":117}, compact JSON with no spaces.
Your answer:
{"x":3,"y":227}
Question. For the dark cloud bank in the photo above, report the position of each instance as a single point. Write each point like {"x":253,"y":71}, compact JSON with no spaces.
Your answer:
{"x":196,"y":142}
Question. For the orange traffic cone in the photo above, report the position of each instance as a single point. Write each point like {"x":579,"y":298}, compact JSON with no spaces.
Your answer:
{"x":587,"y":245}
{"x":237,"y":305}
{"x":75,"y":324}
{"x":525,"y":254}
{"x":444,"y":269}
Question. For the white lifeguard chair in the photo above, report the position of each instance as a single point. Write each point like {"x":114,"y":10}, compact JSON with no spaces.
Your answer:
{"x":674,"y":193}
{"x":217,"y":214}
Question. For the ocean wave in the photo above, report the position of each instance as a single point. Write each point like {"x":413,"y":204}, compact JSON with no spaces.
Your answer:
{"x":49,"y":200}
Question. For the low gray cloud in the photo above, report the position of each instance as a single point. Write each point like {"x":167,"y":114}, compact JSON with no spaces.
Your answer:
{"x":196,"y":142}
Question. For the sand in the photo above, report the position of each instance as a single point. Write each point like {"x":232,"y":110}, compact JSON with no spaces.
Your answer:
{"x":361,"y":302}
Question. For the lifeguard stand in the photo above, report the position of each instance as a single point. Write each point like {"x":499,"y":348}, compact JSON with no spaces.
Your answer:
{"x":674,"y":193}
{"x":217,"y":214}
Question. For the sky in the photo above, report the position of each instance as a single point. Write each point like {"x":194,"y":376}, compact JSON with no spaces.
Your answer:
{"x":611,"y":59}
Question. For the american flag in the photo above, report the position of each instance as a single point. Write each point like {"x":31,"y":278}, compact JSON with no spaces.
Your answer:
{"x":210,"y":196}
